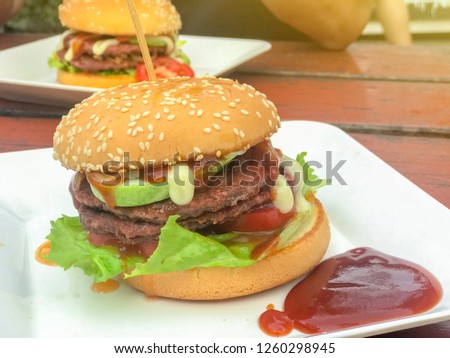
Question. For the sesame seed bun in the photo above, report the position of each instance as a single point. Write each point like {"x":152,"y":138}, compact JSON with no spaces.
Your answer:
{"x":289,"y":263}
{"x":92,"y":80}
{"x":112,"y":17}
{"x":164,"y":121}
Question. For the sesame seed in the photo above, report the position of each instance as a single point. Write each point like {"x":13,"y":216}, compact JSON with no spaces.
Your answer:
{"x":226,"y":118}
{"x":200,"y":157}
{"x":258,"y":114}
{"x":192,"y":105}
{"x":226,"y":113}
{"x":207,"y":130}
{"x":110,"y":134}
{"x":139,"y":129}
{"x":119,"y":151}
{"x":158,"y":115}
{"x":129,"y":131}
{"x":150,"y":136}
{"x":166,"y":110}
{"x":161,"y":136}
{"x":89,"y":125}
{"x":135,"y":131}
{"x":232,"y":104}
{"x":123,"y":110}
{"x":74,"y":158}
{"x":236,"y":131}
{"x":141,"y":146}
{"x":95,"y":135}
{"x":170,"y":117}
{"x":199,"y":112}
{"x":218,"y":154}
{"x":145,"y":114}
{"x":192,"y":113}
{"x":150,"y":127}
{"x":270,"y":123}
{"x":147,"y":145}
{"x":102,"y":128}
{"x":100,"y":137}
{"x":241,"y":134}
{"x":216,"y":126}
{"x":217,"y":115}
{"x":128,"y":104}
{"x":104,"y":147}
{"x":197,"y":150}
{"x":244,"y":112}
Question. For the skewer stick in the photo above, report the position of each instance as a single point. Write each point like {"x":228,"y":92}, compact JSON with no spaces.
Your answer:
{"x":141,"y":40}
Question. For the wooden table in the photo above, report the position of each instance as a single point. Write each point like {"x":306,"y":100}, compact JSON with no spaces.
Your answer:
{"x":394,"y":100}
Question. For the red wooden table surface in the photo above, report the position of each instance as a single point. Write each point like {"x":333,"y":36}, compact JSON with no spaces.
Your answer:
{"x":394,"y":100}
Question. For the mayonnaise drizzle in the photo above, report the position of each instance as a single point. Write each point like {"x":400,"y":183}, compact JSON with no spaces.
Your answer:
{"x":283,"y":196}
{"x":100,"y":46}
{"x":181,"y":184}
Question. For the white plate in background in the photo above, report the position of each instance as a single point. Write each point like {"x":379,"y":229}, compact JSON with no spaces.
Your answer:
{"x":26,"y":77}
{"x":377,"y":207}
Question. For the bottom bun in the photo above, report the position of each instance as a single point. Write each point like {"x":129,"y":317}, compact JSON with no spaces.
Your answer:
{"x":286,"y":264}
{"x":91,"y":80}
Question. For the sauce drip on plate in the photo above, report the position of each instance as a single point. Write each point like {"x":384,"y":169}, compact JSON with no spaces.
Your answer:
{"x":105,"y":287}
{"x":358,"y":287}
{"x":44,"y":249}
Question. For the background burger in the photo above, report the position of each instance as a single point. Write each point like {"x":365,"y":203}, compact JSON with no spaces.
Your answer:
{"x":100,"y":48}
{"x":180,"y":191}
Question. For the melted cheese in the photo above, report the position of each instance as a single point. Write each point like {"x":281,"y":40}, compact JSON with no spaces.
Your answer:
{"x":283,"y":196}
{"x":181,"y":184}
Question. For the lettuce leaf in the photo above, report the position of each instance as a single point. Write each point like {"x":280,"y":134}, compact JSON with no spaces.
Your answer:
{"x":70,"y":247}
{"x":311,"y":181}
{"x":180,"y":249}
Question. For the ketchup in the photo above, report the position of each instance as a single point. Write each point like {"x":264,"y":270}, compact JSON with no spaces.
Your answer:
{"x":358,"y":287}
{"x":105,"y":287}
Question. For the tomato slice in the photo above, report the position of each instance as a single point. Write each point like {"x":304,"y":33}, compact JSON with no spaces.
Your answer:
{"x":266,"y":218}
{"x":165,"y":67}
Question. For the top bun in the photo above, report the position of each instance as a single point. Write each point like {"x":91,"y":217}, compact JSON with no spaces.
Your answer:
{"x":164,"y":121}
{"x":112,"y":17}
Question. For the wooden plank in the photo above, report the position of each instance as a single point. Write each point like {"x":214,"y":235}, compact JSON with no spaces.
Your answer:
{"x":424,"y":161}
{"x":16,"y":39}
{"x":26,"y":133}
{"x":409,"y":106}
{"x":360,"y":60}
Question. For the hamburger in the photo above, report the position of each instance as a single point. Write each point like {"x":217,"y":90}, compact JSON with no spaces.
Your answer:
{"x":181,"y":193}
{"x":100,"y":48}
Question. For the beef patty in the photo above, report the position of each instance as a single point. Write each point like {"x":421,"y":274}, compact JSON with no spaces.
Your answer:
{"x":237,"y":190}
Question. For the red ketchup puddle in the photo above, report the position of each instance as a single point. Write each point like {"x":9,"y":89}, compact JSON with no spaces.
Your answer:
{"x":358,"y":287}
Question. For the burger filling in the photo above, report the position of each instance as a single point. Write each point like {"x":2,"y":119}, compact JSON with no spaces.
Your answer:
{"x":234,"y":213}
{"x":108,"y":55}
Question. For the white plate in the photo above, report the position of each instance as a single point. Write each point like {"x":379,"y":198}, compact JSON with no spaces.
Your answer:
{"x":26,"y":77}
{"x":378,"y":208}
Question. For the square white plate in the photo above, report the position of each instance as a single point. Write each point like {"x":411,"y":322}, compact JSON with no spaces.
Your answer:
{"x":26,"y":77}
{"x":377,"y":207}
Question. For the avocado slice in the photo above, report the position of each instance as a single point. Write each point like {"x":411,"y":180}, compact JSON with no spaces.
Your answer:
{"x":136,"y":193}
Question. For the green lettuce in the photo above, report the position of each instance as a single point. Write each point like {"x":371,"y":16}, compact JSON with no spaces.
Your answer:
{"x":70,"y":247}
{"x":311,"y":181}
{"x":180,"y":249}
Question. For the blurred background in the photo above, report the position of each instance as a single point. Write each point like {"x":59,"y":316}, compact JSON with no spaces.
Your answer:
{"x":429,"y":19}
